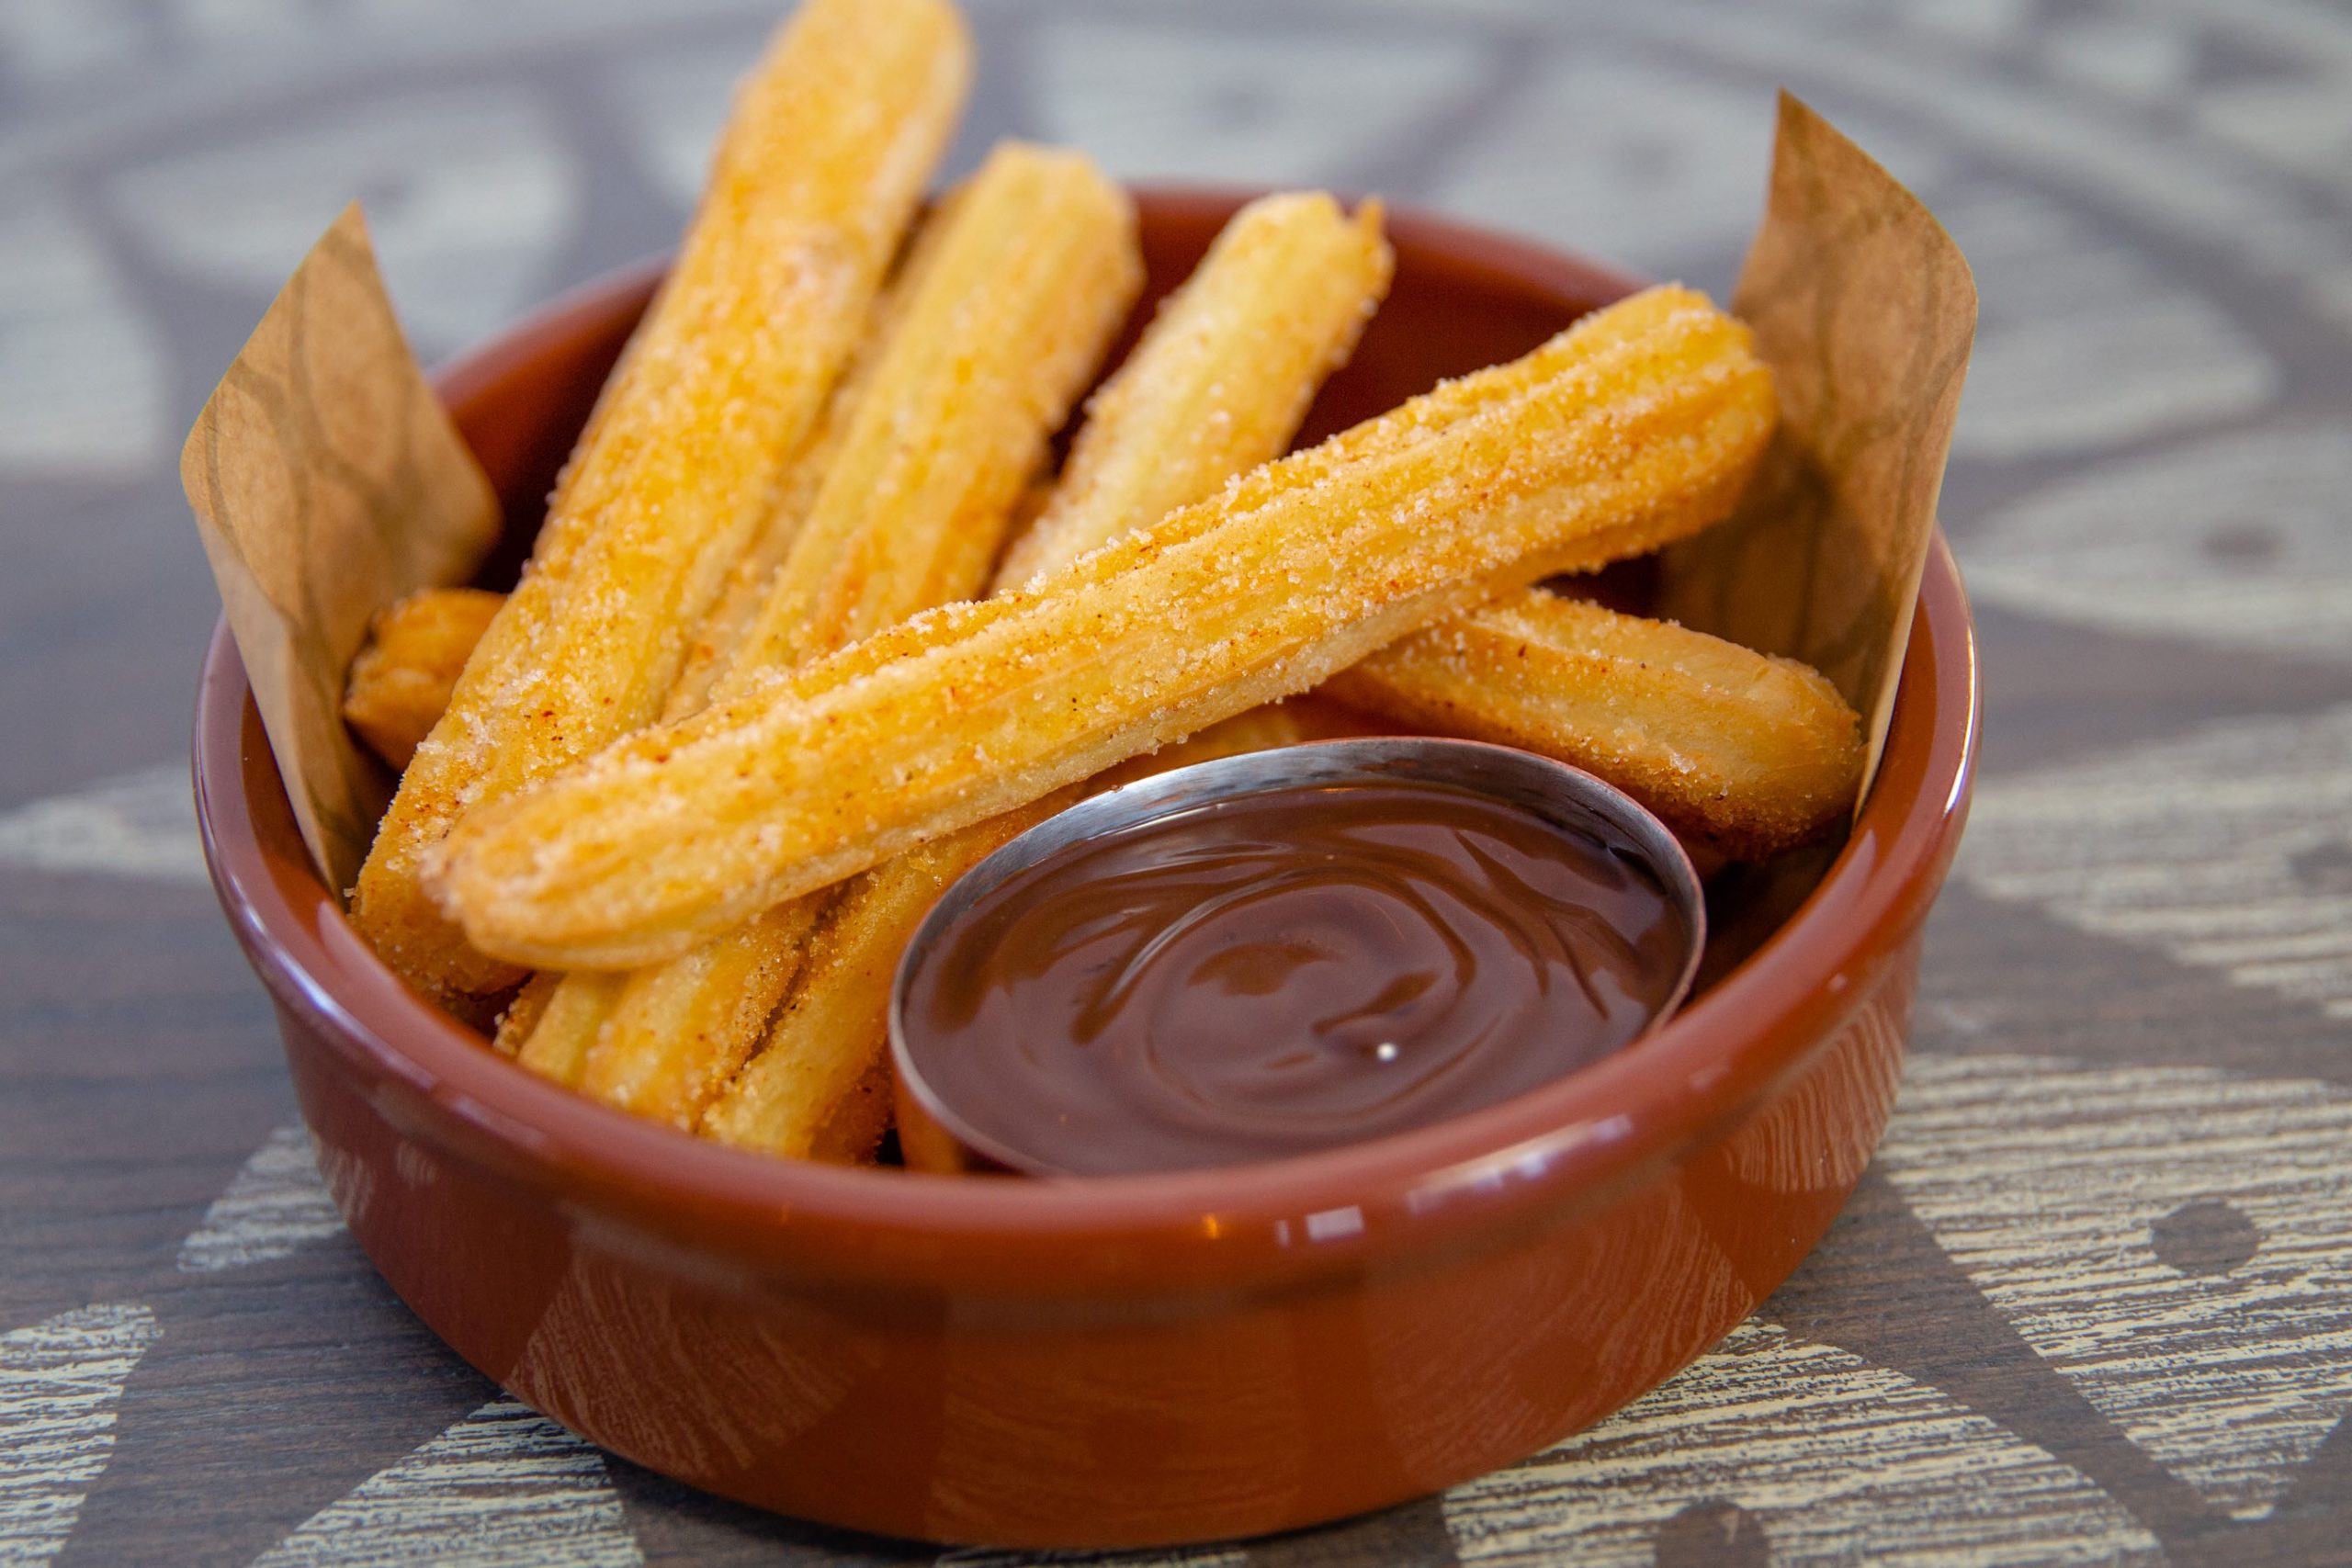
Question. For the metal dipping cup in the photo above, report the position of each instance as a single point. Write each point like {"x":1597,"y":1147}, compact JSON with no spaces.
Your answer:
{"x":931,"y":1135}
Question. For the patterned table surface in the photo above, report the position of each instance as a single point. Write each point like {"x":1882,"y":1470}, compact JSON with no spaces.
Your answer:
{"x":2093,"y":1304}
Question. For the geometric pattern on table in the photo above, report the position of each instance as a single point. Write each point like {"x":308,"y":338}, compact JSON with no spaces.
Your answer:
{"x":60,"y":1382}
{"x":2237,"y":541}
{"x":504,"y":1488}
{"x":1828,"y":1458}
{"x":275,"y":1205}
{"x":138,"y":825}
{"x":2229,"y":847}
{"x":1155,"y":98}
{"x":2176,"y":1243}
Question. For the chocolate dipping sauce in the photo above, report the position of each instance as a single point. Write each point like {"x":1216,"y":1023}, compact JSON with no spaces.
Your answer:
{"x":1287,"y":970}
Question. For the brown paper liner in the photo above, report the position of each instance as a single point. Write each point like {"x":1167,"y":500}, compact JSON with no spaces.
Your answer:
{"x":327,"y":481}
{"x":1866,"y":312}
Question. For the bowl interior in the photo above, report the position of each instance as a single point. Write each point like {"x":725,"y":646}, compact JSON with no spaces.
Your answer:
{"x":1463,"y":299}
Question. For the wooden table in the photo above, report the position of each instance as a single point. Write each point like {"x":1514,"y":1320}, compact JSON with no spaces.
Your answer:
{"x":2095,"y":1301}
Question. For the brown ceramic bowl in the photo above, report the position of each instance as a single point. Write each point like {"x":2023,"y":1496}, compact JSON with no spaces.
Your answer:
{"x":1107,"y":1360}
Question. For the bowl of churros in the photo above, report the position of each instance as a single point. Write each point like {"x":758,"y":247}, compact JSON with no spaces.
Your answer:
{"x":1069,"y":866}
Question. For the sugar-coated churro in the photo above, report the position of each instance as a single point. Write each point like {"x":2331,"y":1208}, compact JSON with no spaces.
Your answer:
{"x":521,"y":1016}
{"x":731,"y":616}
{"x":562,"y":1023}
{"x":1014,"y":292}
{"x":672,"y":1033}
{"x":1222,"y":378}
{"x":1258,"y":729}
{"x":1033,"y":272}
{"x":1748,"y":755}
{"x":822,"y":161}
{"x":401,"y":682}
{"x":559,"y":1042}
{"x":832,"y":1030}
{"x":1218,"y":384}
{"x":831,"y":1039}
{"x":1636,"y":426}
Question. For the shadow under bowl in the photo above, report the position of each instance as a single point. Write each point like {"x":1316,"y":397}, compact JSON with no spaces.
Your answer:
{"x":1106,"y":1361}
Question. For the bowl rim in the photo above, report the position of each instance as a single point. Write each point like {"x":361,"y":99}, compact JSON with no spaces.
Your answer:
{"x":1573,"y":1142}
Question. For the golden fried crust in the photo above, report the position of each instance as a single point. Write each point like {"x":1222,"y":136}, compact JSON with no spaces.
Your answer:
{"x":400,"y":683}
{"x":1258,"y":729}
{"x":566,"y":1024}
{"x":1019,"y":299}
{"x":1223,"y":377}
{"x":820,"y":166}
{"x":730,"y":618}
{"x":1013,"y":294}
{"x":853,"y":1133}
{"x":522,"y":1015}
{"x":1749,"y":754}
{"x":834,"y":1026}
{"x":1217,"y":385}
{"x":1637,"y":426}
{"x":678,"y":1031}
{"x":834,"y":1033}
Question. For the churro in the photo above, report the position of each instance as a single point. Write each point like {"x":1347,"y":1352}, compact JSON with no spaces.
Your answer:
{"x":1636,"y":426}
{"x":1030,"y":275}
{"x":808,"y":1092}
{"x":668,"y":1037}
{"x":1223,"y":377}
{"x":822,"y":161}
{"x":1748,"y":755}
{"x":401,"y":681}
{"x":521,"y":1016}
{"x":731,"y":616}
{"x":563,"y":1024}
{"x":1217,"y":385}
{"x":833,"y":1033}
{"x":1014,"y":292}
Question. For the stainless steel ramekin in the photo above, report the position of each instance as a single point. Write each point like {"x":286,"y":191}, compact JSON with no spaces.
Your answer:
{"x":932,"y":1132}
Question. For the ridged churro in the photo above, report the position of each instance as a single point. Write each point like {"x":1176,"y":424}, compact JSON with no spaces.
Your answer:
{"x":822,"y":161}
{"x":521,"y":1016}
{"x":1748,"y":755}
{"x":737,"y":609}
{"x":1223,"y":377}
{"x":832,"y":1033}
{"x":1014,"y":292}
{"x":749,"y":582}
{"x":1217,"y":385}
{"x":1652,"y":707}
{"x":400,"y":683}
{"x":669,"y":1036}
{"x":1637,"y":426}
{"x":830,"y":1043}
{"x":556,"y":1021}
{"x":1035,"y":267}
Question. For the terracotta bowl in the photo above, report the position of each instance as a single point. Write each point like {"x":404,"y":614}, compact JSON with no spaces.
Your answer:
{"x":1122,"y":1360}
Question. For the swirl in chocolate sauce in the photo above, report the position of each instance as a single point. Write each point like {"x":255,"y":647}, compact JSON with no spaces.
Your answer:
{"x":1287,"y":971}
